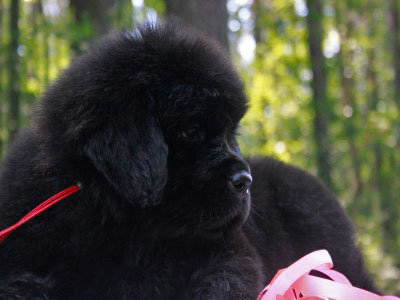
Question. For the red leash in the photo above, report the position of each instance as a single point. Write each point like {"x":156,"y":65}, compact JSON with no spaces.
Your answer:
{"x":39,"y":209}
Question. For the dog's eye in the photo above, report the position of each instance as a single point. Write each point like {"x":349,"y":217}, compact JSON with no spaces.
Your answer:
{"x":188,"y":133}
{"x":191,"y":134}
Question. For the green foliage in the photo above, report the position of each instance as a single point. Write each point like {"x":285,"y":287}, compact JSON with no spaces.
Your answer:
{"x":159,"y":6}
{"x":279,"y":121}
{"x":363,"y":115}
{"x":123,"y":16}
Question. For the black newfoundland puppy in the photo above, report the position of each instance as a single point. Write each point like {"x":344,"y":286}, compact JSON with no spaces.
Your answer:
{"x":145,"y":122}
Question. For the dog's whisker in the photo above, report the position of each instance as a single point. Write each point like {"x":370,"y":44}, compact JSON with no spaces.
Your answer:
{"x":254,"y":210}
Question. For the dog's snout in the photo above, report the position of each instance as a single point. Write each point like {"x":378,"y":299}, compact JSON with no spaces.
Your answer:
{"x":241,"y":181}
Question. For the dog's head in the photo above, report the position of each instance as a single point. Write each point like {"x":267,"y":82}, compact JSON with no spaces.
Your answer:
{"x":156,"y":111}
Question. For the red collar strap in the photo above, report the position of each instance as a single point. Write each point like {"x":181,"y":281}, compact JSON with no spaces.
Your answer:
{"x":39,"y":209}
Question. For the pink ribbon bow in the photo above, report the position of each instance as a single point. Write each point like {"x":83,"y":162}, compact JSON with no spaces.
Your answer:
{"x":295,"y":282}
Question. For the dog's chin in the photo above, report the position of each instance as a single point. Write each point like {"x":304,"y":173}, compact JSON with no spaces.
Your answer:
{"x":228,"y":224}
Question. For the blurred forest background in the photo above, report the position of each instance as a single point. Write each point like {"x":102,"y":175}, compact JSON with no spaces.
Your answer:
{"x":323,"y":79}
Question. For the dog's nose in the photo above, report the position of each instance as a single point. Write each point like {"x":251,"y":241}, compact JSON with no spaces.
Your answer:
{"x":241,"y":181}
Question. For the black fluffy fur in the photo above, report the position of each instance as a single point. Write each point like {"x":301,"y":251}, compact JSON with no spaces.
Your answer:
{"x":146,"y":122}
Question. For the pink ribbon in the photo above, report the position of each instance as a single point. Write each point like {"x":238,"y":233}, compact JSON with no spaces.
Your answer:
{"x":294,"y":282}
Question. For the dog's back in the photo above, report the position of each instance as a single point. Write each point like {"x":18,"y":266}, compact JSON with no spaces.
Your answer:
{"x":294,"y":213}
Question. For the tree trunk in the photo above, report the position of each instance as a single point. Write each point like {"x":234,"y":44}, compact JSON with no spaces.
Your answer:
{"x":1,"y":72}
{"x":45,"y":29}
{"x":257,"y":9}
{"x":348,"y":97}
{"x":395,"y":32}
{"x":373,"y":99}
{"x":319,"y":101}
{"x":208,"y":16}
{"x":13,"y":66}
{"x":46,"y":45}
{"x":34,"y":14}
{"x":388,"y":200}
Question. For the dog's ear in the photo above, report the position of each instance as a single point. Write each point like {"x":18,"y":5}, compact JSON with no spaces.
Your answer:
{"x":133,"y":158}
